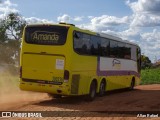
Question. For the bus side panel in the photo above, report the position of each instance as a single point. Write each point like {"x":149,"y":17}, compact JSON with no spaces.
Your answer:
{"x":118,"y":72}
{"x":85,"y":67}
{"x":117,"y":76}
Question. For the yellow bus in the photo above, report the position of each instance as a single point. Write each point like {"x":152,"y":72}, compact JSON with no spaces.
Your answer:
{"x":64,"y":60}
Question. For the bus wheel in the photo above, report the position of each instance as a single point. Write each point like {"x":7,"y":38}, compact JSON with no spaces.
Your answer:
{"x":102,"y":88}
{"x":132,"y":84}
{"x":54,"y":96}
{"x":57,"y":96}
{"x":92,"y":92}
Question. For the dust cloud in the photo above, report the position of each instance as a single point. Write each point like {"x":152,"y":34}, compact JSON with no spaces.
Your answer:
{"x":10,"y":94}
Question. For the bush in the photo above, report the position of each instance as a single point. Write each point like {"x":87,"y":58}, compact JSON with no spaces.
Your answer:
{"x":150,"y":76}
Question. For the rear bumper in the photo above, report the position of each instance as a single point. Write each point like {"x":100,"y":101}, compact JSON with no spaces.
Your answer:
{"x":63,"y":89}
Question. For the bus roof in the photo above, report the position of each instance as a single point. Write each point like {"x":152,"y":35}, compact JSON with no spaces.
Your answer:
{"x":115,"y":38}
{"x":110,"y":37}
{"x":49,"y":24}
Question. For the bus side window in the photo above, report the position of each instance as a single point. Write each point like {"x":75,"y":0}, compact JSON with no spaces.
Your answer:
{"x":121,"y":50}
{"x":82,"y":43}
{"x":86,"y":44}
{"x":104,"y":47}
{"x":113,"y":49}
{"x":134,"y":52}
{"x":77,"y":35}
{"x":127,"y":51}
{"x":95,"y":45}
{"x":78,"y":41}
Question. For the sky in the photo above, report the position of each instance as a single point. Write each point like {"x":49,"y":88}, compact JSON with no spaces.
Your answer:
{"x":135,"y":20}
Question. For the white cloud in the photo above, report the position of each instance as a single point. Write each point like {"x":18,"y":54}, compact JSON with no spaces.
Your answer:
{"x":145,"y":20}
{"x":145,"y":6}
{"x":152,"y":36}
{"x":146,"y":13}
{"x":64,"y":18}
{"x":130,"y":32}
{"x":7,"y":7}
{"x":105,"y":22}
{"x":150,"y":43}
{"x":78,"y":18}
{"x":8,"y":3}
{"x":33,"y":20}
{"x":90,"y":17}
{"x":7,"y":10}
{"x":109,"y":20}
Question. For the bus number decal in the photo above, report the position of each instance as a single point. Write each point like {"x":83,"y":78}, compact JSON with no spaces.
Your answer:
{"x":57,"y":79}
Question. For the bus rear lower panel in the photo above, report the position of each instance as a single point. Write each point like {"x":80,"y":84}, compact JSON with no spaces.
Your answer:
{"x":47,"y":88}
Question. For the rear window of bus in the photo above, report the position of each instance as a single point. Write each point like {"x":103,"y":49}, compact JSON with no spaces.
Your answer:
{"x":46,"y":35}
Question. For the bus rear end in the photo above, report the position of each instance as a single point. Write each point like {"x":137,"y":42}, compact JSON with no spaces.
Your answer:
{"x":43,"y":59}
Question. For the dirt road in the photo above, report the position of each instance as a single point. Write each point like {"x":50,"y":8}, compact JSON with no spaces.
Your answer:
{"x":143,"y":98}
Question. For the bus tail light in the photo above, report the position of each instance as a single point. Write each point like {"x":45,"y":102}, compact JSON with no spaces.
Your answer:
{"x":66,"y":75}
{"x":20,"y":72}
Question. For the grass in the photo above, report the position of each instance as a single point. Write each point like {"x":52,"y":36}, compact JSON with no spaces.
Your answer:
{"x":150,"y":76}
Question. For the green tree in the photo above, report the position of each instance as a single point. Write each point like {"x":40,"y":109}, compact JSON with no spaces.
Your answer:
{"x":13,"y":25}
{"x":145,"y":62}
{"x":11,"y":28}
{"x":3,"y":35}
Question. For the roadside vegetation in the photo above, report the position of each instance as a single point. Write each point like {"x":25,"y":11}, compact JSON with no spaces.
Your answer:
{"x":150,"y":76}
{"x":150,"y":73}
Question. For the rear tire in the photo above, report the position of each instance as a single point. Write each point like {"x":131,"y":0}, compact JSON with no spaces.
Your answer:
{"x":102,"y":88}
{"x":55,"y":96}
{"x":92,"y":93}
{"x":132,"y":84}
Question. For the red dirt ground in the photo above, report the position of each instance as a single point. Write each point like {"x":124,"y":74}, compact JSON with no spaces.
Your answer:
{"x":143,"y":98}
